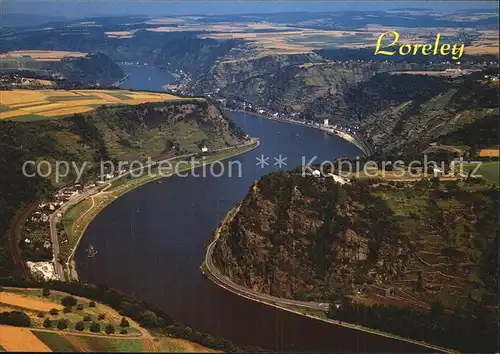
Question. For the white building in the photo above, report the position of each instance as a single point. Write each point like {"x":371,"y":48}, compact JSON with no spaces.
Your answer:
{"x":338,"y":179}
{"x":204,"y":149}
{"x":44,"y":270}
{"x":325,"y":122}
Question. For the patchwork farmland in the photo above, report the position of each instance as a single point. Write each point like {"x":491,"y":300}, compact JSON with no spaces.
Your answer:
{"x":44,"y":333}
{"x":25,"y":105}
{"x":42,"y":55}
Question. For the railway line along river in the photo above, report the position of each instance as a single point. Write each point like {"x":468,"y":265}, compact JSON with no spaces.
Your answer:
{"x":152,"y":241}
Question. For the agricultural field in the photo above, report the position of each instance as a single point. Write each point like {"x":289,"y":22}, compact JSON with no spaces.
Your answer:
{"x":41,"y":337}
{"x":18,"y":339}
{"x":42,"y":55}
{"x":293,"y":40}
{"x":79,"y":343}
{"x":25,"y":105}
{"x":34,"y":304}
{"x":27,"y":302}
{"x":490,"y":171}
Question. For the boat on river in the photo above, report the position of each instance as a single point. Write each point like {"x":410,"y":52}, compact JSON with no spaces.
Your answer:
{"x":91,"y":251}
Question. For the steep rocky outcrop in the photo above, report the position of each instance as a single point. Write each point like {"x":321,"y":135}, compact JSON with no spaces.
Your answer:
{"x":311,"y":238}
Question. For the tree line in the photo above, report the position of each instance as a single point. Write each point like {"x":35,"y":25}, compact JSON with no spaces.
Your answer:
{"x":146,"y":314}
{"x":472,"y":329}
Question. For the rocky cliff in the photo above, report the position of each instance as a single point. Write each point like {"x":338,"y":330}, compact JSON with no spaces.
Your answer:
{"x":311,"y":238}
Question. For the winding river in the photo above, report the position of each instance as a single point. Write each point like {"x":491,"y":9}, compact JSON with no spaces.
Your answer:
{"x":152,"y":241}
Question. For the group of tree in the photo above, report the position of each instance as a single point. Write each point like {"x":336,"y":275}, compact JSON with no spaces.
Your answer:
{"x":147,"y":314}
{"x":473,"y":329}
{"x":15,"y":318}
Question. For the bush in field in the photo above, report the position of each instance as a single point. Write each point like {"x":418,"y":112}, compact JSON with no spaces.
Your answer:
{"x":67,"y":309}
{"x":62,"y":324}
{"x":40,"y":315}
{"x":149,"y":319}
{"x":80,"y":326}
{"x":68,"y":301}
{"x":101,"y":316}
{"x":124,"y":322}
{"x":46,"y":291}
{"x":95,"y":327}
{"x":110,"y":329}
{"x":87,"y":318}
{"x":124,"y":331}
{"x":54,"y":312}
{"x":92,"y":304}
{"x":79,"y":307}
{"x":47,"y":323}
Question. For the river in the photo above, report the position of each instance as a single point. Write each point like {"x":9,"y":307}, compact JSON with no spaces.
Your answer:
{"x":145,"y":78}
{"x":152,"y":241}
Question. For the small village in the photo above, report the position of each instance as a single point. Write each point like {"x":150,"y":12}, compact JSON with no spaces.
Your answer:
{"x":36,"y":242}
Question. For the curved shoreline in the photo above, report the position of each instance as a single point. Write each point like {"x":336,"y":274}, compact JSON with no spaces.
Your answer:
{"x":334,"y":132}
{"x":70,"y":263}
{"x":212,"y":273}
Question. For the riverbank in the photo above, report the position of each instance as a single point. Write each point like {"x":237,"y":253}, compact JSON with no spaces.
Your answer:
{"x":86,"y":210}
{"x":362,"y":146}
{"x":121,"y":81}
{"x":211,"y":272}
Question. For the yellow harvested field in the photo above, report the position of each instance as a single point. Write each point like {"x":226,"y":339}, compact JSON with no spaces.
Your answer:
{"x":27,"y":302}
{"x":489,"y":152}
{"x":65,"y":111}
{"x":42,"y":107}
{"x":289,"y":39}
{"x":164,"y":20}
{"x":10,"y":114}
{"x":20,"y":96}
{"x":20,"y":105}
{"x":44,"y":104}
{"x":43,"y":55}
{"x":481,"y":50}
{"x":120,"y":34}
{"x":107,"y":97}
{"x":18,"y":339}
{"x":63,"y":93}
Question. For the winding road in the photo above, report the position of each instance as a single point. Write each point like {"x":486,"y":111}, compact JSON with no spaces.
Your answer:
{"x":228,"y":284}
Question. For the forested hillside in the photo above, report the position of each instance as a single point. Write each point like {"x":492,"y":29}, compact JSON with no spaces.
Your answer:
{"x":288,"y":84}
{"x":173,"y":50}
{"x":125,"y":133}
{"x":396,"y":113}
{"x":90,"y":70}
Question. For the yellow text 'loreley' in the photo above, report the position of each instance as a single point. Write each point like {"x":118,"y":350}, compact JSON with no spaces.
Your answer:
{"x":456,"y":50}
